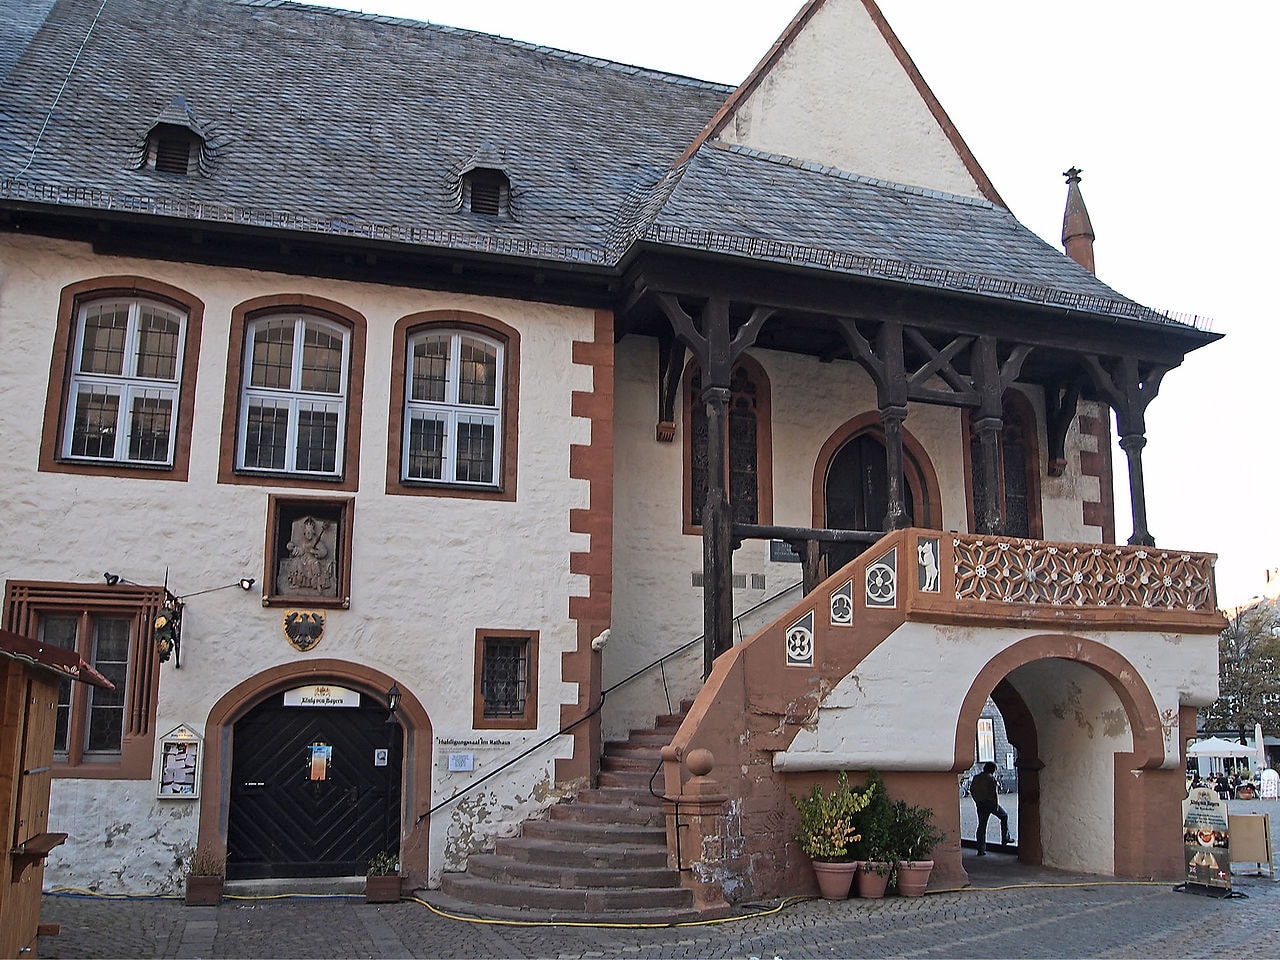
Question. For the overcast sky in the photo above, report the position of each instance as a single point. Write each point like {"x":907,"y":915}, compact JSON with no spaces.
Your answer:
{"x":1166,"y":105}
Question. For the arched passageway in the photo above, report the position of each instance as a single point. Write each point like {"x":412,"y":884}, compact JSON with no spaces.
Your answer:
{"x":1092,"y":791}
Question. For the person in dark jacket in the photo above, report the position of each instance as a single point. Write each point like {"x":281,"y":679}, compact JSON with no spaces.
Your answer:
{"x":985,"y":797}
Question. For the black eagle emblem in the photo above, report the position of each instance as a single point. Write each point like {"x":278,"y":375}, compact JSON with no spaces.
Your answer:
{"x":304,"y":628}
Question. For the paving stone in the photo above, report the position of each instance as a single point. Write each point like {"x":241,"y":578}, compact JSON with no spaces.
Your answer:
{"x":1050,"y":914}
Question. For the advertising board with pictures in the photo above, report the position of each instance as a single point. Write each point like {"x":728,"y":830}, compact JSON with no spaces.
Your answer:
{"x":179,"y":775}
{"x":1206,"y":842}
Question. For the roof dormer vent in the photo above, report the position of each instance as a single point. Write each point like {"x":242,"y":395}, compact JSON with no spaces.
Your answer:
{"x":172,"y":149}
{"x":176,"y":143}
{"x":487,"y":192}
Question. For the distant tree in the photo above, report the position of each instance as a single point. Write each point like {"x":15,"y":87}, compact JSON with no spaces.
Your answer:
{"x":1248,"y":683}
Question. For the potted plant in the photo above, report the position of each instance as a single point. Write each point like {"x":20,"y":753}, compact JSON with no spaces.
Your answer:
{"x":206,"y":874}
{"x":827,"y":829}
{"x":382,"y":883}
{"x":913,"y":838}
{"x":875,"y":849}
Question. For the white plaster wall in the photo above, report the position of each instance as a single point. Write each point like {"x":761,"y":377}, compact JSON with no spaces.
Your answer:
{"x":425,"y":572}
{"x":838,"y":96}
{"x":877,"y":717}
{"x":1080,"y":727}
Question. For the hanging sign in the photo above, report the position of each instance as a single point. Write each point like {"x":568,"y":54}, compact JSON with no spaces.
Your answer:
{"x":321,"y":695}
{"x":1206,"y":843}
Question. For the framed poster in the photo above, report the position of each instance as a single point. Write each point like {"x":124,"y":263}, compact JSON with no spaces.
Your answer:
{"x":179,"y":776}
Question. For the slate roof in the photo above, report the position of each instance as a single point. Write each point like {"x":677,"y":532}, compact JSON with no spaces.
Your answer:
{"x":342,"y":123}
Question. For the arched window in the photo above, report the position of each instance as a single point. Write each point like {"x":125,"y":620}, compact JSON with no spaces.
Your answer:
{"x":454,"y":406}
{"x":123,"y":376}
{"x":293,"y":410}
{"x":1019,"y":470}
{"x":748,"y":466}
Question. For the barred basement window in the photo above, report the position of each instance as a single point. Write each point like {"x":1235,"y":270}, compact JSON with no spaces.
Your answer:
{"x":506,"y":670}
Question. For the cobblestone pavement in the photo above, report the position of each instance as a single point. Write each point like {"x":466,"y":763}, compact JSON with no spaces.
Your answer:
{"x":1010,"y":911}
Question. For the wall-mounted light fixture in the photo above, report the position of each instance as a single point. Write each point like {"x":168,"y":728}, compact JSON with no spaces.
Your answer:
{"x":393,"y":702}
{"x":166,"y":628}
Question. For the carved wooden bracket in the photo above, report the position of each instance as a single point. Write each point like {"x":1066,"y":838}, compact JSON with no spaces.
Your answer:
{"x":670,"y":368}
{"x":1060,"y":404}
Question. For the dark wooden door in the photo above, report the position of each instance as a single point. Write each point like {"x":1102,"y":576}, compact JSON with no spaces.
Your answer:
{"x":292,"y":817}
{"x":857,"y":495}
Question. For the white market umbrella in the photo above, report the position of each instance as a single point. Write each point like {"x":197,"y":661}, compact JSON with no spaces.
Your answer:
{"x":1261,"y":747}
{"x":1217,"y":747}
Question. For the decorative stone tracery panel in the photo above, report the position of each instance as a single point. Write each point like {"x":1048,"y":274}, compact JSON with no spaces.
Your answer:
{"x":1032,"y":571}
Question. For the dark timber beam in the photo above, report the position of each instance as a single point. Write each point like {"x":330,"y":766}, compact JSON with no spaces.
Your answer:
{"x":717,"y":347}
{"x":1129,"y":391}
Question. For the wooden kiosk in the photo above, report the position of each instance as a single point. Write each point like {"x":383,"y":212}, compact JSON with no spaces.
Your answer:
{"x":30,"y":674}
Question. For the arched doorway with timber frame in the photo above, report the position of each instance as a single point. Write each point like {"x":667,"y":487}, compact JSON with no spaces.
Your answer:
{"x":1093,"y":792}
{"x":298,"y":789}
{"x":850,"y":485}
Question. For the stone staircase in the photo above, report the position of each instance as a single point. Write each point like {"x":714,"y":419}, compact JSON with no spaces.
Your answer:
{"x":601,"y":855}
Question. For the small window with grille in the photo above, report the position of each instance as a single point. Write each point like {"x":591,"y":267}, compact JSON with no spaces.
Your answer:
{"x":506,"y":665}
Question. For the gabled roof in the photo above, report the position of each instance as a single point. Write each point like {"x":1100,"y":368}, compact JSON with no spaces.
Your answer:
{"x":353,"y":125}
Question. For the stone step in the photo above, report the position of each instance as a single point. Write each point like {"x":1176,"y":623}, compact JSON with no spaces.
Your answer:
{"x":630,"y":761}
{"x":627,"y":749}
{"x":616,"y":856}
{"x":668,"y":721}
{"x":632,"y":779}
{"x":643,"y":915}
{"x":585,"y":812}
{"x":571,"y":832}
{"x":490,"y":866}
{"x":640,"y":738}
{"x":622,"y":796}
{"x":596,"y":901}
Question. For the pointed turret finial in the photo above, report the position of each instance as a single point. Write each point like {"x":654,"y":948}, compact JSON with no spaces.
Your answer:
{"x":1077,"y":231}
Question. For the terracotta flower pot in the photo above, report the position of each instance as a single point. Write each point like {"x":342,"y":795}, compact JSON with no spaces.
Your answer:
{"x":913,"y":877}
{"x":873,"y":880}
{"x":834,"y":879}
{"x":204,"y":891}
{"x":383,"y":888}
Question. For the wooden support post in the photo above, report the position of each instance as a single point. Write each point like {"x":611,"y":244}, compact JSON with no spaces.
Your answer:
{"x":717,"y":552}
{"x":891,"y":418}
{"x":989,"y":521}
{"x":1132,"y":445}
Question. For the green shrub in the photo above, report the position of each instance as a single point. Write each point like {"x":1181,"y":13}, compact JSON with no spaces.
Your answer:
{"x":828,"y":821}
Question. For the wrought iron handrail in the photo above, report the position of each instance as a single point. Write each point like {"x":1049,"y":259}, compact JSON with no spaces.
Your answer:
{"x":596,"y":709}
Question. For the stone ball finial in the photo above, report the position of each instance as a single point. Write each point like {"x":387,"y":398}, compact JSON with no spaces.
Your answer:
{"x":701,"y":762}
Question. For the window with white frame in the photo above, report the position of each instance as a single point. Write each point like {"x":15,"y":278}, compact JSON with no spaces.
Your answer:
{"x":294,"y":404}
{"x":453,"y":408}
{"x":122,"y":405}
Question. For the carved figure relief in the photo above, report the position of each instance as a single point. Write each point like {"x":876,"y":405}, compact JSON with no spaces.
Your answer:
{"x":928,"y":564}
{"x":310,"y":569}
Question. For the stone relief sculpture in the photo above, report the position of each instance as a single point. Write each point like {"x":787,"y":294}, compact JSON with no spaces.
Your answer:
{"x":310,"y":569}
